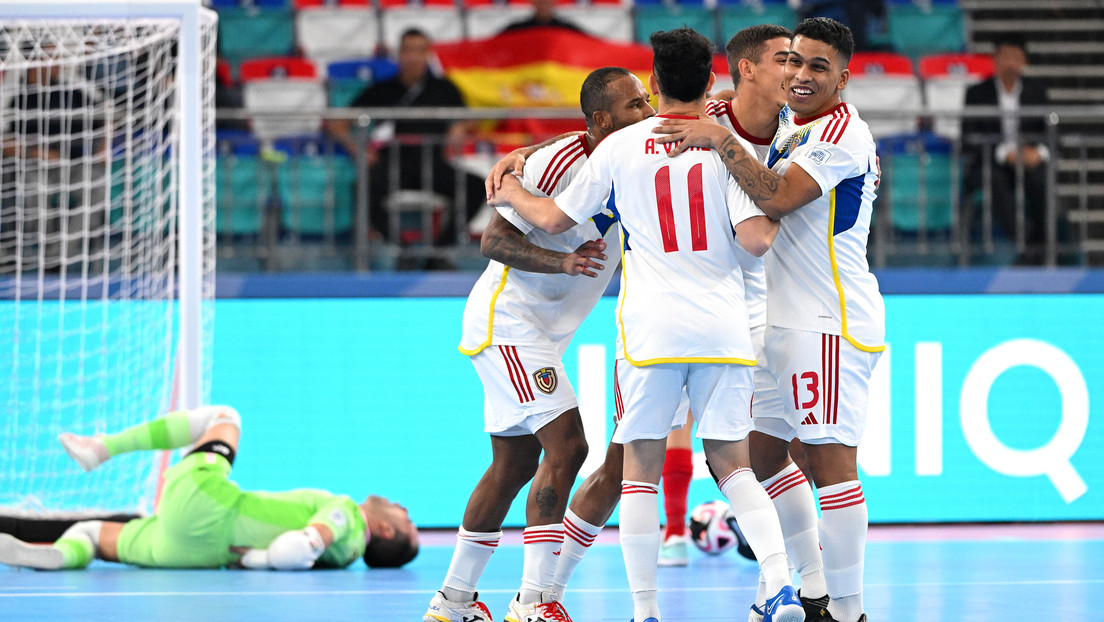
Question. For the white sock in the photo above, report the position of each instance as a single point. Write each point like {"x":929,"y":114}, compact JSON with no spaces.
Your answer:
{"x":542,"y":544}
{"x":843,"y":525}
{"x":469,"y":559}
{"x":640,"y":539}
{"x":758,"y":521}
{"x":578,"y":536}
{"x":797,"y":515}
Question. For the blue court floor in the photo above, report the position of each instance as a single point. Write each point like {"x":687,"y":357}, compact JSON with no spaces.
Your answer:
{"x":1015,"y":573}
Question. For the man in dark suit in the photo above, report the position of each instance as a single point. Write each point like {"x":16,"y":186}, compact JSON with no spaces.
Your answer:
{"x":1010,"y":139}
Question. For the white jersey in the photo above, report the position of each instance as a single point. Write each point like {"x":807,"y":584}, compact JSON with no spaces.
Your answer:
{"x":755,"y":277}
{"x":517,"y":308}
{"x":682,"y":293}
{"x":817,"y":273}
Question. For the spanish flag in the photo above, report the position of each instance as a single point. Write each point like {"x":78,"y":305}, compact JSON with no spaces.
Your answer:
{"x":535,"y":67}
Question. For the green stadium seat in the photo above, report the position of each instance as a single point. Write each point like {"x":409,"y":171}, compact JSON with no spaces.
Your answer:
{"x":249,"y":32}
{"x":650,"y":18}
{"x":916,"y":31}
{"x":736,"y":17}
{"x":242,"y":181}
{"x":918,"y":170}
{"x":316,"y":188}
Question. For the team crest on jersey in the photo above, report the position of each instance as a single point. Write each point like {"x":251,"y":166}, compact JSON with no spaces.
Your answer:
{"x":781,"y":148}
{"x":545,"y":378}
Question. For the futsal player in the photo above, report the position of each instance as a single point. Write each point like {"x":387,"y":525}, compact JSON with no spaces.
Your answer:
{"x":682,"y":319}
{"x":517,"y":324}
{"x":204,"y":520}
{"x":825,"y":315}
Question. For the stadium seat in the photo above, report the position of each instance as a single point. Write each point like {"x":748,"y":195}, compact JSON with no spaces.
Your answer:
{"x":917,"y":30}
{"x":886,"y":91}
{"x":608,"y":21}
{"x":242,"y":183}
{"x":316,"y":187}
{"x":487,"y":20}
{"x":331,"y":33}
{"x":442,"y":23}
{"x":248,"y":32}
{"x":283,"y":84}
{"x":735,"y":15}
{"x":917,"y":170}
{"x":349,"y":77}
{"x":653,"y":16}
{"x":946,"y":78}
{"x":220,"y":5}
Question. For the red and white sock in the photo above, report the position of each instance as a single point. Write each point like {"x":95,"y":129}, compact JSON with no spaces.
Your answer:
{"x":759,"y":521}
{"x":578,"y":536}
{"x":469,"y":559}
{"x":639,"y":527}
{"x":542,"y":546}
{"x":793,"y":500}
{"x":678,"y":470}
{"x":843,"y":525}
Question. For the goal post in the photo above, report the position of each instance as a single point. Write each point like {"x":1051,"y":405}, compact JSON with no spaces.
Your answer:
{"x":106,"y":235}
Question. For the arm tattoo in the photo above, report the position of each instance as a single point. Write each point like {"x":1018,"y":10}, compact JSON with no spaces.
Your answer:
{"x":758,"y":181}
{"x":547,"y":500}
{"x":512,"y":249}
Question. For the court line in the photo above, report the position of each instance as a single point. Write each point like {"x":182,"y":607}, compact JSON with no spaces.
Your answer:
{"x":617,"y":590}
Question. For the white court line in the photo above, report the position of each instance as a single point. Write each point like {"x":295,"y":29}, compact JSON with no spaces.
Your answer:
{"x":617,"y":590}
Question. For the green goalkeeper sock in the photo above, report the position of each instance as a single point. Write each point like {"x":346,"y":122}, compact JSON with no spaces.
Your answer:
{"x":169,"y":432}
{"x":77,"y":552}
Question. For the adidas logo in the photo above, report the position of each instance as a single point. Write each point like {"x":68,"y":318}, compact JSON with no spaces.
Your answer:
{"x":809,"y":420}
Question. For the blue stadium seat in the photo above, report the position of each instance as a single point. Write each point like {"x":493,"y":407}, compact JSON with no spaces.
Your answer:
{"x":349,"y":77}
{"x":219,"y":5}
{"x":249,"y":32}
{"x":917,"y":169}
{"x":242,"y":181}
{"x":920,"y":30}
{"x":653,"y":16}
{"x":316,"y":187}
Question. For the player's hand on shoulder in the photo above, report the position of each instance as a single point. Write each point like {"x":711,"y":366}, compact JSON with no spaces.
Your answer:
{"x":510,"y":187}
{"x":585,"y":259}
{"x":724,"y":95}
{"x":513,"y":162}
{"x":701,"y":132}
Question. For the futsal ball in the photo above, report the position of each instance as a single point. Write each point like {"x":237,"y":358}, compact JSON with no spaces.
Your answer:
{"x":714,"y":531}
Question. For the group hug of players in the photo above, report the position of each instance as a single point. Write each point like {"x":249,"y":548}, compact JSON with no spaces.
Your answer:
{"x":741,"y":228}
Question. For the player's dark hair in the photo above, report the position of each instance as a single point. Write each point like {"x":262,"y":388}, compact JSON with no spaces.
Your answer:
{"x":413,"y":32}
{"x":391,"y":552}
{"x":1010,"y":39}
{"x":594,"y":95}
{"x":828,"y":30}
{"x":682,"y":61}
{"x":750,"y":43}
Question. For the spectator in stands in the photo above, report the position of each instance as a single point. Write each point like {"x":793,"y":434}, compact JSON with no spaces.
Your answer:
{"x":867,"y":19}
{"x":543,"y":16}
{"x":414,"y":86}
{"x":1009,"y":139}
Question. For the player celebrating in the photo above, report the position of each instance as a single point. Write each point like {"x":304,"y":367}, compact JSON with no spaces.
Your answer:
{"x":517,"y":325}
{"x":682,"y":320}
{"x":205,"y":521}
{"x":826,"y":318}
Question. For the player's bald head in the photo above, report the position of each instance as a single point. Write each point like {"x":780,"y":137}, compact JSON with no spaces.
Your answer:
{"x":596,"y":93}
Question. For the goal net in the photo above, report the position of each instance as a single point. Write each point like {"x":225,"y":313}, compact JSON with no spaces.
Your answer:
{"x":90,"y":245}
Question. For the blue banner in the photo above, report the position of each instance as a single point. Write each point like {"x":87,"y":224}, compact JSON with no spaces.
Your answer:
{"x":982,"y":408}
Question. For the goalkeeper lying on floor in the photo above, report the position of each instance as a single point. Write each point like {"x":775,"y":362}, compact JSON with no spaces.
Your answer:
{"x":206,"y":521}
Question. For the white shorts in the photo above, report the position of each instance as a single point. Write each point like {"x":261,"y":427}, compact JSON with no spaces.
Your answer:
{"x":524,"y":388}
{"x":825,"y":382}
{"x":648,"y":400}
{"x":767,"y":400}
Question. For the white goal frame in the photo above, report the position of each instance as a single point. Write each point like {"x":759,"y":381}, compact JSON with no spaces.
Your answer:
{"x":189,"y":371}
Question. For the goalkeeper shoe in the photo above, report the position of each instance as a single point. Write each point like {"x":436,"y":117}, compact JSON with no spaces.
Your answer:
{"x":674,"y":551}
{"x":816,"y":609}
{"x":15,"y":552}
{"x":784,"y":606}
{"x":88,"y":451}
{"x":442,"y":609}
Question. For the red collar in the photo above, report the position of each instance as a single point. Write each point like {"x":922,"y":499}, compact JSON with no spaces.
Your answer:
{"x":842,"y":107}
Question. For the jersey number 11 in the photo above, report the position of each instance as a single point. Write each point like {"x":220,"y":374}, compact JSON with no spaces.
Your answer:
{"x":667,"y":211}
